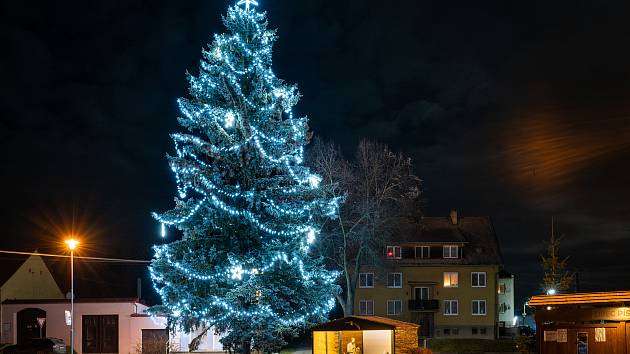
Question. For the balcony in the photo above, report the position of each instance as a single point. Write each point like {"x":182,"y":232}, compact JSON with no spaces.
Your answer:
{"x":424,"y":305}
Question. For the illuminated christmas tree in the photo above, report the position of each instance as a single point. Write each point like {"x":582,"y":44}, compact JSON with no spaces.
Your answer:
{"x":246,"y":204}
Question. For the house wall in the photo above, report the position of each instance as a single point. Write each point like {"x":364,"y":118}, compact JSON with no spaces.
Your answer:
{"x":129,"y":327}
{"x":506,"y":298}
{"x":31,"y":281}
{"x":431,"y":276}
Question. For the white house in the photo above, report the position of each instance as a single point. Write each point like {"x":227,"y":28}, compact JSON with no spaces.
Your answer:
{"x":505,"y":299}
{"x":101,"y":325}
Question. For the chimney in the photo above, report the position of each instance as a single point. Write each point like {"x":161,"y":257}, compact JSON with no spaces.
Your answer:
{"x":453,"y":216}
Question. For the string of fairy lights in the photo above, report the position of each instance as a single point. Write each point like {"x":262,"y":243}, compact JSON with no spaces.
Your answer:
{"x":260,"y":121}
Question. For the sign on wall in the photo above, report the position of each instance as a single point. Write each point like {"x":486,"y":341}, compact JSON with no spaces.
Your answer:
{"x":550,"y":336}
{"x":562,"y":335}
{"x":600,"y":334}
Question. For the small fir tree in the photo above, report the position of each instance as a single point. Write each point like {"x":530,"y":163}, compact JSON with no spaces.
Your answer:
{"x":556,"y":277}
{"x":246,"y":204}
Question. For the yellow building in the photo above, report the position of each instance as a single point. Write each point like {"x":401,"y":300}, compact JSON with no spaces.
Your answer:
{"x":32,"y":280}
{"x":441,"y":274}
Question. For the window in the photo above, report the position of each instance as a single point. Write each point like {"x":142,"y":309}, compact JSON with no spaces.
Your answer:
{"x":447,"y":331}
{"x":451,"y":279}
{"x":393,"y":252}
{"x":451,"y":307}
{"x":394,"y":307}
{"x":483,"y":331}
{"x":366,"y":280}
{"x":502,"y":288}
{"x":421,"y":293}
{"x":455,"y":331}
{"x":423,"y":252}
{"x":394,"y":280}
{"x":479,"y":307}
{"x":475,"y":331}
{"x":100,"y":334}
{"x":366,"y":307}
{"x":450,"y":251}
{"x":478,"y":279}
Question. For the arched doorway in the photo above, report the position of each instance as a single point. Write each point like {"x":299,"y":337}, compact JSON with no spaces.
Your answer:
{"x":27,"y":325}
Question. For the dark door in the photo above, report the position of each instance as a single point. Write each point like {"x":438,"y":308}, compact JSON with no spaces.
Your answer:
{"x":154,"y":341}
{"x":582,"y":343}
{"x":427,"y":321}
{"x":27,"y":325}
{"x":100,"y":334}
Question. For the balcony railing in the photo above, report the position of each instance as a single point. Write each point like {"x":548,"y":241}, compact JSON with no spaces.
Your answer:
{"x":420,"y":305}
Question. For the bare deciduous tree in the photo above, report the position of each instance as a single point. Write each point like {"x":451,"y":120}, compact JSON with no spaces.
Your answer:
{"x":380,"y":190}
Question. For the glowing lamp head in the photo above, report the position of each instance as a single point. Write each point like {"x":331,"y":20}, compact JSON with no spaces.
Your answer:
{"x":313,"y":181}
{"x":72,"y":244}
{"x":551,"y":292}
{"x":310,"y":237}
{"x":229,"y":119}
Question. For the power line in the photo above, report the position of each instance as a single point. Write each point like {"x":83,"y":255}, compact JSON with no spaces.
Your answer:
{"x":101,"y":259}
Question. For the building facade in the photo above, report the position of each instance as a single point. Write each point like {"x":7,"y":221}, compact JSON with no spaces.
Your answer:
{"x":101,"y":325}
{"x":505,"y":292}
{"x":442,"y":274}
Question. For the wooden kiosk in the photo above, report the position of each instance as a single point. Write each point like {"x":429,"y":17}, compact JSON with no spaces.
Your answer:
{"x":365,"y":335}
{"x":583,"y":323}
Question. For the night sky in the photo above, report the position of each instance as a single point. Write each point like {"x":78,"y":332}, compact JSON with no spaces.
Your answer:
{"x":515,"y":110}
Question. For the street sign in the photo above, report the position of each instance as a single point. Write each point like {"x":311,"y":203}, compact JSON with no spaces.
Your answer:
{"x":68,"y":318}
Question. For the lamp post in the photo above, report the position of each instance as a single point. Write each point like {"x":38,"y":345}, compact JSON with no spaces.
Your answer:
{"x":72,"y":244}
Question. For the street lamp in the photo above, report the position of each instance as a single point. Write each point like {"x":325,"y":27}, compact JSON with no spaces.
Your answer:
{"x":551,"y":291}
{"x":72,"y":244}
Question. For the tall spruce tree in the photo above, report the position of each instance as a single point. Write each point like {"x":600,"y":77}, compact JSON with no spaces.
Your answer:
{"x":246,"y":204}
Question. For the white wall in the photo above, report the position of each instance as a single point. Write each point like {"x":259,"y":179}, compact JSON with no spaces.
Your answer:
{"x":129,"y":327}
{"x":508,"y":299}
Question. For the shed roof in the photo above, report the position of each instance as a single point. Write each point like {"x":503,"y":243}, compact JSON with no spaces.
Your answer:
{"x":363,"y":323}
{"x":581,"y":298}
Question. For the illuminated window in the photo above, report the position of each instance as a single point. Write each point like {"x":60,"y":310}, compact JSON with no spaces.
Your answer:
{"x":423,"y":252}
{"x":451,"y":307}
{"x":502,"y":289}
{"x":366,"y":280}
{"x":394,"y":307}
{"x":451,"y":279}
{"x":366,"y":307}
{"x":393,"y":252}
{"x":478,"y":279}
{"x":450,"y":251}
{"x":479,"y":307}
{"x":394,"y":280}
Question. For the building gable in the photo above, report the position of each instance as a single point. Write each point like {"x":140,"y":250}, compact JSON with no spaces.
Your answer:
{"x":32,"y":280}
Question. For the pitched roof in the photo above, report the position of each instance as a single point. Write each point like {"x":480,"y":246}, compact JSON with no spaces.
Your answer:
{"x":475,"y":233}
{"x":581,"y":298}
{"x":363,"y":323}
{"x":10,"y":263}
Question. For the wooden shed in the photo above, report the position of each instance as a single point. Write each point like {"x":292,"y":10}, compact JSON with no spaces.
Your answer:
{"x":583,"y":323}
{"x":365,"y":335}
